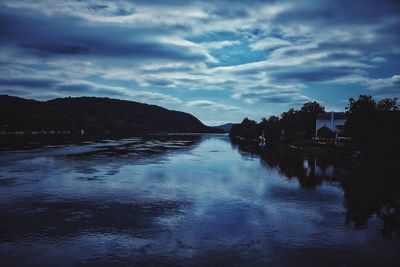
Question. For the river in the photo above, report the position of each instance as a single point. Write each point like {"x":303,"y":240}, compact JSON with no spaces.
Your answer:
{"x":193,"y":201}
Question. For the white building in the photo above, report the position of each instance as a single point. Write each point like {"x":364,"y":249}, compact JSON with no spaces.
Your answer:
{"x":334,"y":121}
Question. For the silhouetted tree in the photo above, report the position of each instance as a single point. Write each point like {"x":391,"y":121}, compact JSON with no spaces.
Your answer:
{"x":388,"y":104}
{"x":270,"y":128}
{"x":312,"y":107}
{"x":248,"y":129}
{"x":300,"y":124}
{"x":296,"y":124}
{"x":325,"y":132}
{"x":374,"y":127}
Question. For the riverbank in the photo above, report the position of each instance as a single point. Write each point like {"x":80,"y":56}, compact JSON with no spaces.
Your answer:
{"x":309,"y":146}
{"x":332,"y":150}
{"x":340,"y":152}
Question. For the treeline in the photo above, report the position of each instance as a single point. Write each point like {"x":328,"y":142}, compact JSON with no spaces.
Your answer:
{"x":373,"y":126}
{"x":290,"y":125}
{"x":95,"y":116}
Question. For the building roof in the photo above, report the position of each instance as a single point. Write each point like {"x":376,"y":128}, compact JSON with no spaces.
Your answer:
{"x":327,"y":116}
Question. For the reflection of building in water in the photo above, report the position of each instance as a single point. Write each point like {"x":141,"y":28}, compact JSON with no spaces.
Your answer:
{"x":326,"y":172}
{"x":329,"y":125}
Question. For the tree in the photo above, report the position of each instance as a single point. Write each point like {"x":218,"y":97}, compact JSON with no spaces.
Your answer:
{"x":374,"y":127}
{"x":296,"y":124}
{"x":271,"y":128}
{"x":360,"y":115}
{"x":248,"y":129}
{"x":388,"y":104}
{"x":300,"y":124}
{"x":312,"y":107}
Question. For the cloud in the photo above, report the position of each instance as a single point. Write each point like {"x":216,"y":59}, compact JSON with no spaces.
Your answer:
{"x":378,"y":59}
{"x":28,"y":82}
{"x":219,"y":44}
{"x":314,"y":74}
{"x":236,"y":52}
{"x":269,"y":43}
{"x":211,"y":105}
{"x":273,"y":93}
{"x":47,"y":36}
{"x":275,"y":97}
{"x":385,"y":86}
{"x":85,"y":88}
{"x":159,"y":82}
{"x":158,"y":97}
{"x":60,"y":88}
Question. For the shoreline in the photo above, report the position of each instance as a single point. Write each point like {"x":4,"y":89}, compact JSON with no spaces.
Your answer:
{"x":347,"y":153}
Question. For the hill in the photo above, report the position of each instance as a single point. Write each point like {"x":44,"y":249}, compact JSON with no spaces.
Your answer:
{"x":95,"y":115}
{"x":225,"y":127}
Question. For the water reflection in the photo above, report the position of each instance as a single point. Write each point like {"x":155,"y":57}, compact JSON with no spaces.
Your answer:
{"x":369,"y":190}
{"x":192,"y":201}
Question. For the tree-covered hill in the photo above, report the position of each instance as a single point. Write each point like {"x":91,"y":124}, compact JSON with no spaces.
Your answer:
{"x":94,"y":115}
{"x":225,"y":127}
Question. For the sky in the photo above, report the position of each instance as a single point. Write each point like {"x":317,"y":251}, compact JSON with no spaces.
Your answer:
{"x":219,"y":60}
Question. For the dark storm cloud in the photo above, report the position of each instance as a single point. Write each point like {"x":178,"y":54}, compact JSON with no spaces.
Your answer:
{"x":45,"y":49}
{"x":312,"y":75}
{"x":277,"y":97}
{"x":29,"y":83}
{"x":62,"y":35}
{"x":160,"y":82}
{"x":104,"y":48}
{"x":340,"y":11}
{"x":57,"y":86}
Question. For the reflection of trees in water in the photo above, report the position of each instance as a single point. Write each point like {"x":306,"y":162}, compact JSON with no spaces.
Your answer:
{"x":140,"y":148}
{"x":372,"y":191}
{"x":27,"y":142}
{"x":309,"y":170}
{"x":390,"y":214}
{"x":368,"y":189}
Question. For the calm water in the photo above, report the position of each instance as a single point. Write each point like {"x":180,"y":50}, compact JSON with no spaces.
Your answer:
{"x":193,"y":201}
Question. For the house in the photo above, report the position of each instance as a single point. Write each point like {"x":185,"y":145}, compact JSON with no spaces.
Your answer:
{"x":329,"y":125}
